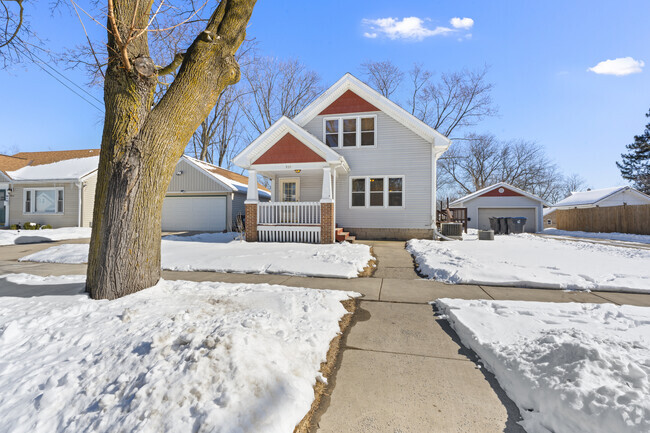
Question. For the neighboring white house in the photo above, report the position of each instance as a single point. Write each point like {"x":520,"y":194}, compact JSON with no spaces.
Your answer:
{"x":58,"y":188}
{"x":502,"y":200}
{"x":353,"y":157}
{"x":606,"y":197}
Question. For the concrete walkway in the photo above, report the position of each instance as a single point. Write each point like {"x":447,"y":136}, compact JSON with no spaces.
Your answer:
{"x":403,"y":369}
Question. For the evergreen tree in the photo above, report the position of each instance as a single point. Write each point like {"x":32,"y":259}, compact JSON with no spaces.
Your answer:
{"x":635,"y":165}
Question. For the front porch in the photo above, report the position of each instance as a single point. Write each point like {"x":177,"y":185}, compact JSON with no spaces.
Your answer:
{"x":286,"y":218}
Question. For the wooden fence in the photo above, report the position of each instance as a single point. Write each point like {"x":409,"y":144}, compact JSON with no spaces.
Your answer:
{"x":621,"y":219}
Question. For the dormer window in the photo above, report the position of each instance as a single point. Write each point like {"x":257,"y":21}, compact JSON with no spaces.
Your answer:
{"x":350,"y":131}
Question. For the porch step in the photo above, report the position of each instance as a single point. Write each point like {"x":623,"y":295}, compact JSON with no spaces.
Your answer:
{"x":342,"y":236}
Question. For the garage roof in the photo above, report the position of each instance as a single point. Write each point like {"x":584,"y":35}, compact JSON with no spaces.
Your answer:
{"x":480,"y":192}
{"x":594,"y":196}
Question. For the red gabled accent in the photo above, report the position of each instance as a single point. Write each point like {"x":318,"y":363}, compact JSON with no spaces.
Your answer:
{"x":349,"y":102}
{"x":495,"y":193}
{"x":288,"y":149}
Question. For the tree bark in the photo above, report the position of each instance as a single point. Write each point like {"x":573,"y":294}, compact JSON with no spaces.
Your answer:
{"x":141,"y":145}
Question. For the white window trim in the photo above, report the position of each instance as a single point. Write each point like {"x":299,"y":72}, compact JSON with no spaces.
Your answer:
{"x":358,"y":131}
{"x":367,"y":192}
{"x":282,"y":181}
{"x":33,"y":191}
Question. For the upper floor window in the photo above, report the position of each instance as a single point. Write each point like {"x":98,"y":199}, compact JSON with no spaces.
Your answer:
{"x":43,"y":201}
{"x":350,"y":131}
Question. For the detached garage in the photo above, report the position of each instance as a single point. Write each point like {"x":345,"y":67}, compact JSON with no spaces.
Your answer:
{"x":204,"y":197}
{"x":502,"y":200}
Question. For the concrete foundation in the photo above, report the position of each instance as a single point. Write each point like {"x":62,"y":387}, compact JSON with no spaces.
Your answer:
{"x":390,"y":234}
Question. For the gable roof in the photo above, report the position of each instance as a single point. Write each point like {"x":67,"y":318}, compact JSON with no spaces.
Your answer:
{"x":50,"y":165}
{"x":350,"y":83}
{"x":480,"y":192}
{"x":236,"y":182}
{"x":595,"y":196}
{"x":247,"y":157}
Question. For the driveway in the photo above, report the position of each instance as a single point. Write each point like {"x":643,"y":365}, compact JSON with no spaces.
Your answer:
{"x":402,"y":368}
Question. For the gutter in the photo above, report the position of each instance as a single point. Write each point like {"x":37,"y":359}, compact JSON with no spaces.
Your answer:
{"x":80,"y":186}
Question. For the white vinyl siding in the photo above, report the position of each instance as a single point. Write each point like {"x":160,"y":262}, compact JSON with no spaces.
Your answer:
{"x":69,"y":217}
{"x":189,"y":178}
{"x":398,"y":151}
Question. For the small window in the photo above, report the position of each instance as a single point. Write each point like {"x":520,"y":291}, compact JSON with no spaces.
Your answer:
{"x":377,"y":191}
{"x":349,"y":132}
{"x":332,"y":133}
{"x":548,"y":222}
{"x":59,"y":201}
{"x":359,"y":192}
{"x":28,"y":201}
{"x":395,"y":190}
{"x":367,"y":131}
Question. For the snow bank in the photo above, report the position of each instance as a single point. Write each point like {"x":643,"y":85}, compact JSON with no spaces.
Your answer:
{"x":532,"y":261}
{"x":178,"y":357}
{"x":11,"y":237}
{"x":204,"y":237}
{"x":627,"y":237}
{"x":67,"y":169}
{"x":569,"y":367}
{"x":334,"y":260}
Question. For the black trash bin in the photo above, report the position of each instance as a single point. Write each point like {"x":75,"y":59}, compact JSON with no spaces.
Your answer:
{"x":503,"y":226}
{"x":494,"y":224}
{"x":517,"y":224}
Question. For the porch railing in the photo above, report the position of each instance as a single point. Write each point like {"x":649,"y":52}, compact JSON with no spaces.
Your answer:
{"x":302,"y":213}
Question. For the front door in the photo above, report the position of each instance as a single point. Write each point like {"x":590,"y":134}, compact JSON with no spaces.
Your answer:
{"x":290,"y":189}
{"x":3,"y":207}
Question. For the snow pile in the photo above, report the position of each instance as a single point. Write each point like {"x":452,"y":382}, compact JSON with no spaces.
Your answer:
{"x":178,"y":357}
{"x":532,"y":261}
{"x":67,"y":169}
{"x":626,"y":237}
{"x":11,"y":237}
{"x":569,"y":367}
{"x":333,"y":260}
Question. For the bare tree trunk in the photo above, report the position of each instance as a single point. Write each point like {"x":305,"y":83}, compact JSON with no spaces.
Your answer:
{"x":141,"y":145}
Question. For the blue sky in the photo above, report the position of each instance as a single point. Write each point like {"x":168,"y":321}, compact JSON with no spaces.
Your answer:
{"x":538,"y":52}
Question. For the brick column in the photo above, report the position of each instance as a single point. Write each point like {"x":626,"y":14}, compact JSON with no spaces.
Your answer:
{"x":251,"y":222}
{"x":326,"y":223}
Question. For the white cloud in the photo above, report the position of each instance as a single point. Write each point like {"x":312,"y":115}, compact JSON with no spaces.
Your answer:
{"x":461,"y":23}
{"x":619,"y":67}
{"x":407,"y":28}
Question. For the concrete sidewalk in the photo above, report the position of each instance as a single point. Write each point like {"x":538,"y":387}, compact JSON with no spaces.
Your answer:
{"x":402,"y":369}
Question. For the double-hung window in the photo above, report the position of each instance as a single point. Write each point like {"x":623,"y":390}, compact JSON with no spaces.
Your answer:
{"x":350,"y":131}
{"x":43,"y":201}
{"x":377,"y":192}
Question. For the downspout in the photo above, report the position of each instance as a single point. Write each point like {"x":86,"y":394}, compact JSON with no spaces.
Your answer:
{"x":434,"y":187}
{"x":80,"y":188}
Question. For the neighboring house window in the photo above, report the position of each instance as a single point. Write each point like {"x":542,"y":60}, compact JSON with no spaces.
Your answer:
{"x":43,"y":201}
{"x":548,"y":222}
{"x":377,"y":192}
{"x":350,"y":131}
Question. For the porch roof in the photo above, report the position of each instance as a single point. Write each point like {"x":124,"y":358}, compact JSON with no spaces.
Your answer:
{"x":316,"y":153}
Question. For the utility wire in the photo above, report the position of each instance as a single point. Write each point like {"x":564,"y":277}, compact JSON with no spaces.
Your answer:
{"x":38,"y":63}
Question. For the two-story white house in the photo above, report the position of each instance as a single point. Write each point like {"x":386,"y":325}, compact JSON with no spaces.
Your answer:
{"x":352,"y":159}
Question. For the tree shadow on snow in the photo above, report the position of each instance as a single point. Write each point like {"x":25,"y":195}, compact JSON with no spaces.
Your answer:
{"x":20,"y":240}
{"x":11,"y":289}
{"x":514,"y":416}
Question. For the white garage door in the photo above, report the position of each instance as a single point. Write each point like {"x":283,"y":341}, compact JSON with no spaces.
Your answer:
{"x":194,"y":213}
{"x":530,"y":213}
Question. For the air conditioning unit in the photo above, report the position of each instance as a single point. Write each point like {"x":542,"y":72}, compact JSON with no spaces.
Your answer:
{"x":452,"y":230}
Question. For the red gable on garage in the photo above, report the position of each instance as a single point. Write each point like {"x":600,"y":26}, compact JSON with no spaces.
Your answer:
{"x":349,"y":102}
{"x":288,"y":149}
{"x":500,"y":192}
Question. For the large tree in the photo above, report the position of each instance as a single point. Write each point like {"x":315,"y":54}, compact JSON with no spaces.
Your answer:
{"x":635,"y":165}
{"x":143,"y":140}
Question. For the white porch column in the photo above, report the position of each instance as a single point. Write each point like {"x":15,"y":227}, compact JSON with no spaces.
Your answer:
{"x":273,"y":188}
{"x":326,"y":196}
{"x":252,"y":195}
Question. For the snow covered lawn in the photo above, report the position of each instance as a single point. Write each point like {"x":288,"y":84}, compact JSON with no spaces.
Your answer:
{"x":218,"y":252}
{"x":178,"y":357}
{"x":532,"y":261}
{"x":569,"y":367}
{"x":11,"y":237}
{"x":626,"y":237}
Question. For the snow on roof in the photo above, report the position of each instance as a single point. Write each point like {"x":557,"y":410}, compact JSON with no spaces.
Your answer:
{"x":66,"y":169}
{"x":548,"y":210}
{"x":236,"y":182}
{"x":589,"y":197}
